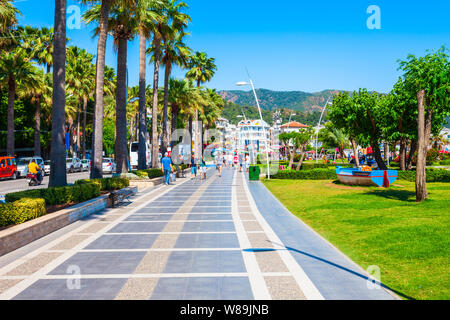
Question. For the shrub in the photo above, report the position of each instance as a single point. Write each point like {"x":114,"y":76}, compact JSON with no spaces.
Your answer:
{"x":58,"y":195}
{"x":106,"y":184}
{"x":433,"y":175}
{"x":20,"y":211}
{"x":313,"y":174}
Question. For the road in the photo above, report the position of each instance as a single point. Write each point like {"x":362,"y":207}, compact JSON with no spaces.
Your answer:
{"x":8,"y":186}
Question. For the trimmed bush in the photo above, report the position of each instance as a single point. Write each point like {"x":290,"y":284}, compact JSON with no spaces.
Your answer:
{"x":433,"y":175}
{"x":106,"y":184}
{"x":20,"y":211}
{"x":58,"y":195}
{"x":314,"y":174}
{"x":150,"y":173}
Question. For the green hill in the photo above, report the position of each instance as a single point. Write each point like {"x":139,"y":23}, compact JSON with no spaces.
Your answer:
{"x":270,"y":100}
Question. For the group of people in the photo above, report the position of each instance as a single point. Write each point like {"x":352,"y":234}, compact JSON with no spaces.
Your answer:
{"x":233,"y":160}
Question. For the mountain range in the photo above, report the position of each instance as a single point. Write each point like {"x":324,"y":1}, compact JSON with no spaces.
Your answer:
{"x":271,"y":100}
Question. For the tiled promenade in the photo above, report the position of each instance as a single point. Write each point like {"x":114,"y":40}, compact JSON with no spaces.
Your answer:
{"x":194,"y":240}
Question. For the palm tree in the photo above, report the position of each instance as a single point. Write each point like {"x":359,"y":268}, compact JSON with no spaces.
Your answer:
{"x":15,"y":66}
{"x":184,"y":100}
{"x":44,"y":47}
{"x":147,"y":11}
{"x":8,"y":15}
{"x":97,"y":132}
{"x":8,"y":19}
{"x":175,"y":52}
{"x":122,"y":23}
{"x":36,"y":89}
{"x":58,"y":175}
{"x":202,"y":69}
{"x":80,"y":79}
{"x":335,"y":138}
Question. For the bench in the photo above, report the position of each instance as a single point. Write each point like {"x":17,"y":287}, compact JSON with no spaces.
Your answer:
{"x":118,"y":197}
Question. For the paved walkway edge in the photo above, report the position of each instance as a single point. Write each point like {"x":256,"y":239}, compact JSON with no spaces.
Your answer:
{"x":257,"y":187}
{"x":20,"y":235}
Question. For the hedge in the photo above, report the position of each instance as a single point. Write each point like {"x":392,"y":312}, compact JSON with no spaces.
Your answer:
{"x":20,"y":211}
{"x":150,"y":173}
{"x":58,"y":195}
{"x":106,"y":184}
{"x":313,"y":174}
{"x":433,"y":175}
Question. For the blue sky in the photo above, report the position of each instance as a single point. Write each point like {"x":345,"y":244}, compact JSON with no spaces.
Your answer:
{"x":291,"y":44}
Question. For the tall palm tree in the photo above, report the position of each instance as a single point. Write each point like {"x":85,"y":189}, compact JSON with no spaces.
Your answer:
{"x":58,"y":176}
{"x":202,"y":69}
{"x":184,"y":100}
{"x":81,"y":81}
{"x":37,"y":90}
{"x":44,"y":47}
{"x":175,"y":52}
{"x":8,"y":20}
{"x":8,"y":15}
{"x":97,"y":132}
{"x":15,"y":66}
{"x":122,"y":22}
{"x":147,"y":11}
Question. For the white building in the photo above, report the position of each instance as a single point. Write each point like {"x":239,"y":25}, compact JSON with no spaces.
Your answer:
{"x":251,"y":135}
{"x":445,"y":134}
{"x":292,"y":126}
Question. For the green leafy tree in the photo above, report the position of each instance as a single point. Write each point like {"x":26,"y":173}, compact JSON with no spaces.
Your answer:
{"x":429,"y":78}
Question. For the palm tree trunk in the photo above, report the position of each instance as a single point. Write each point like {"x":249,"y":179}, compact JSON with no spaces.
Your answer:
{"x":37,"y":128}
{"x":421,"y":186}
{"x":85,"y":101}
{"x":58,"y":175}
{"x":165,"y":131}
{"x":97,"y":132}
{"x":11,"y":97}
{"x":121,"y":108}
{"x":173,"y":125}
{"x":155,"y":140}
{"x":78,"y":128}
{"x":191,"y":131}
{"x":142,"y":152}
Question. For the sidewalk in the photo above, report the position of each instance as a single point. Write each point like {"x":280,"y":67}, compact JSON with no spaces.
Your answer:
{"x":193,"y":240}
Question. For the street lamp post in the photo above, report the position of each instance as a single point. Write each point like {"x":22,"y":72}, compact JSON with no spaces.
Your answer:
{"x":243,"y":83}
{"x":318,"y":125}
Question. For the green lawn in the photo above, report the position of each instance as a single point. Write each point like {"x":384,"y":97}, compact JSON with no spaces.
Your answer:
{"x":410,"y":242}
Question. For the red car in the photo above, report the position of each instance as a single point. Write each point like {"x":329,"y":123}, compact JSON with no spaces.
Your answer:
{"x":8,"y":167}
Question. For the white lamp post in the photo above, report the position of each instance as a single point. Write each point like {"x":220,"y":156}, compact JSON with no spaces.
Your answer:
{"x":318,"y":125}
{"x":243,"y":83}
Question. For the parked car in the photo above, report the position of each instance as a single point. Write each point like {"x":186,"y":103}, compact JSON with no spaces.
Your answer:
{"x":85,"y":164}
{"x":73,"y":164}
{"x":108,"y":165}
{"x":8,"y":168}
{"x":47,"y":167}
{"x":22,"y":165}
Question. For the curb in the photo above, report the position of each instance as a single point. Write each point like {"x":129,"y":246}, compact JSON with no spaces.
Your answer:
{"x":20,"y":235}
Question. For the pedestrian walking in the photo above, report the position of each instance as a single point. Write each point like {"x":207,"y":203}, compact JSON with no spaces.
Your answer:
{"x":203,"y":169}
{"x":193,"y":166}
{"x":219,"y":162}
{"x":166,"y":167}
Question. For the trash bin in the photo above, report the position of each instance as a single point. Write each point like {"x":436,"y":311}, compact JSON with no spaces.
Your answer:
{"x":253,"y":173}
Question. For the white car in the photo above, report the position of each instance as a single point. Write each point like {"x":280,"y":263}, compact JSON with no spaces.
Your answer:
{"x":73,"y":164}
{"x":85,"y":165}
{"x":108,"y":165}
{"x":47,"y":167}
